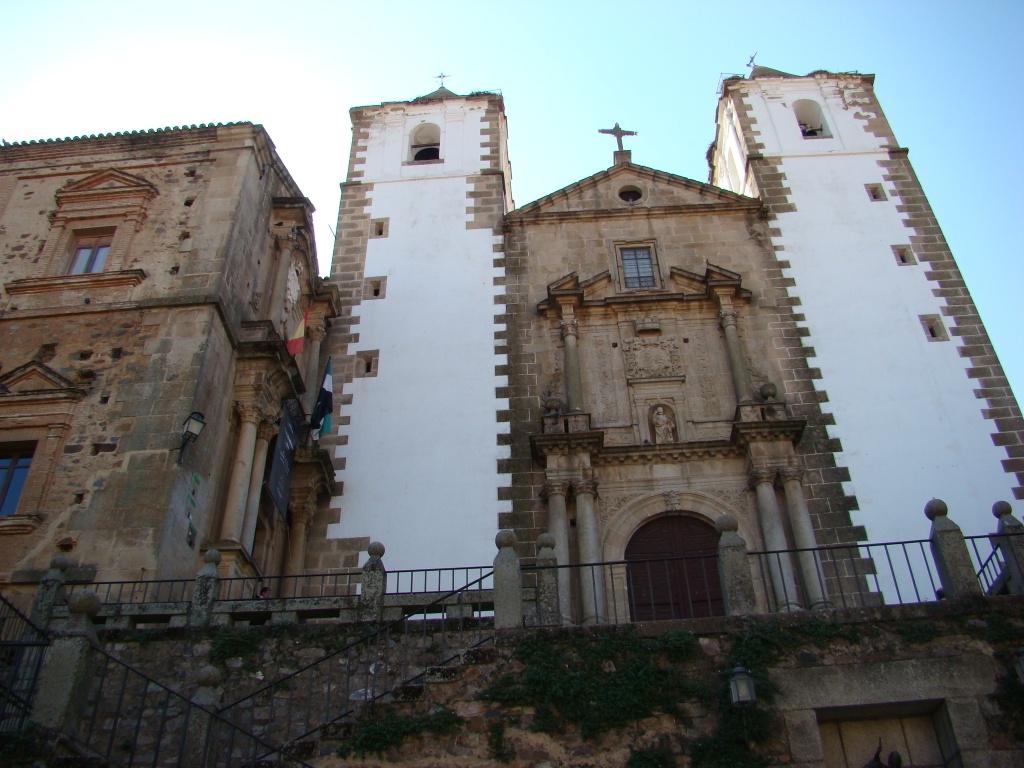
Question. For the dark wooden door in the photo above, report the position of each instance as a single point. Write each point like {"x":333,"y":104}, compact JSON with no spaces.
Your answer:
{"x":673,"y":570}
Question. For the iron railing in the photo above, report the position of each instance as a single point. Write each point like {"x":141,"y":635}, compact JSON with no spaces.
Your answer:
{"x":995,"y":562}
{"x":22,"y":646}
{"x":431,"y":580}
{"x":341,"y":584}
{"x":130,"y":719}
{"x":137,"y":592}
{"x":386,"y":661}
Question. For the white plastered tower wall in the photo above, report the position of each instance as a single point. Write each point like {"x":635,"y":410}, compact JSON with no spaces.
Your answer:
{"x":420,"y":439}
{"x":921,"y":405}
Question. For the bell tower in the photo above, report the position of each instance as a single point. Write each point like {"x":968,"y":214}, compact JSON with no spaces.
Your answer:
{"x":419,"y":358}
{"x":921,"y":405}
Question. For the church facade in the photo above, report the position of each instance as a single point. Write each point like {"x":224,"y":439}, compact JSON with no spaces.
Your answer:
{"x":790,"y":344}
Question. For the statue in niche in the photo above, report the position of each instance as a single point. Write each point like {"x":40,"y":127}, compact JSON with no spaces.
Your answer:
{"x":293,"y":288}
{"x":663,"y":426}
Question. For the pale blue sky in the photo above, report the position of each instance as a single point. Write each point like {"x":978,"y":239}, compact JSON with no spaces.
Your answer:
{"x":565,"y":68}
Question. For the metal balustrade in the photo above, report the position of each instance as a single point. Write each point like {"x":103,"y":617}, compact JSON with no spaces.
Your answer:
{"x":22,"y":646}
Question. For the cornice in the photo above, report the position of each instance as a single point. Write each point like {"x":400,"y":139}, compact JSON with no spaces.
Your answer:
{"x":125,"y":277}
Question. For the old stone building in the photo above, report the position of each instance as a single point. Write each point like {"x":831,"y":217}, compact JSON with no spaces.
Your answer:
{"x":146,"y":277}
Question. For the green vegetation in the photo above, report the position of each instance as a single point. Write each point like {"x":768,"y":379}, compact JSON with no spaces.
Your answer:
{"x":917,"y":632}
{"x":657,"y":756}
{"x":233,"y":644}
{"x":602,"y":682}
{"x":376,"y":733}
{"x":497,"y":745}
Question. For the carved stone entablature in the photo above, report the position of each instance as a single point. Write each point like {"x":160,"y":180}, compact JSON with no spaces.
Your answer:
{"x":570,"y":442}
{"x":746,"y":432}
{"x":652,"y":357}
{"x":675,"y":453}
{"x":647,"y":324}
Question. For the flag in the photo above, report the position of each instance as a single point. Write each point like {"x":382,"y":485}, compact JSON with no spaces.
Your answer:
{"x":298,"y":338}
{"x":320,"y":421}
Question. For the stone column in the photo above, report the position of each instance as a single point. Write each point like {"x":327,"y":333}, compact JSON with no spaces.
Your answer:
{"x":206,"y":592}
{"x":195,"y":748}
{"x":317,"y":334}
{"x":1010,"y":541}
{"x":375,"y":577}
{"x":508,"y":583}
{"x":50,"y":592}
{"x":64,"y":677}
{"x":558,"y":526}
{"x":548,"y":599}
{"x":803,"y":534}
{"x":264,"y":434}
{"x":734,"y":569}
{"x":591,"y":579}
{"x":299,"y":514}
{"x":952,"y":560}
{"x":737,"y":360}
{"x":780,"y":565}
{"x":241,"y":471}
{"x":573,"y":379}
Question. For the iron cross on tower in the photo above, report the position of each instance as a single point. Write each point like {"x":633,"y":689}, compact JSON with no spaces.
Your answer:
{"x":618,"y":133}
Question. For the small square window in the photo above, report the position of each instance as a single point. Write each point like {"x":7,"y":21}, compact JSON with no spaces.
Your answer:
{"x":14,"y":465}
{"x":638,"y":267}
{"x":89,"y":253}
{"x":904,"y":255}
{"x":875,"y":192}
{"x":933,"y":328}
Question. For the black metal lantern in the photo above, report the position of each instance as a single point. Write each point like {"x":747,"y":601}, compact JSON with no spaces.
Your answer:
{"x":191,"y":428}
{"x":742,"y":691}
{"x":1017,"y":662}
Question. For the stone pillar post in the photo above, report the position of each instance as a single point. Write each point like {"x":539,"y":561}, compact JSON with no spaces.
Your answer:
{"x":803,"y":535}
{"x":734,"y":569}
{"x":207,"y":590}
{"x":780,"y":565}
{"x":264,"y":434}
{"x":591,"y":579}
{"x":952,"y":560}
{"x":558,"y":527}
{"x":548,"y":600}
{"x":241,"y":472}
{"x":195,"y":746}
{"x":67,"y":666}
{"x":508,"y":583}
{"x":375,"y":577}
{"x":1010,"y":540}
{"x":317,"y":334}
{"x":573,"y":378}
{"x":50,"y":592}
{"x":299,"y":515}
{"x":737,"y":360}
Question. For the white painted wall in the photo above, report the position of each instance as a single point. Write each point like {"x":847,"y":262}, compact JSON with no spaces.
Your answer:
{"x":904,"y":408}
{"x":421,"y":459}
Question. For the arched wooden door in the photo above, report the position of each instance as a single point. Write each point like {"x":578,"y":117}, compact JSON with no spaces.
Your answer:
{"x":673,"y":570}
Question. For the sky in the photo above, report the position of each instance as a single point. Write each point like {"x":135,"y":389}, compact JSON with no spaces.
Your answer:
{"x":565,"y":68}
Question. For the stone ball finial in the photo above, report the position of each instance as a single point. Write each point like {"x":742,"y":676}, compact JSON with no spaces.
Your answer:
{"x":375,"y":549}
{"x":1001,"y":509}
{"x":212,"y":557}
{"x":546,"y":541}
{"x":209,"y":677}
{"x":86,"y":601}
{"x":768,"y":391}
{"x":60,"y":563}
{"x":935,"y":508}
{"x":726,"y":524}
{"x":506,"y":539}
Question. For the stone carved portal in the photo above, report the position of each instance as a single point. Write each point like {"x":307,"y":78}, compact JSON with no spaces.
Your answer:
{"x":652,"y":358}
{"x":661,"y":420}
{"x":673,"y":570}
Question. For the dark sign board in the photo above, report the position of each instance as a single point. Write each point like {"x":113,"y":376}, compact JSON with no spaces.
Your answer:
{"x":280,"y":481}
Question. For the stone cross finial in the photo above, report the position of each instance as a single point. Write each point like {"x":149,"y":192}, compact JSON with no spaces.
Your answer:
{"x":618,"y":133}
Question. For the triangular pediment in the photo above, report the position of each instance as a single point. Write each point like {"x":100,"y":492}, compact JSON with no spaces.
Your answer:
{"x":106,"y":182}
{"x":34,"y":378}
{"x":602,"y":194}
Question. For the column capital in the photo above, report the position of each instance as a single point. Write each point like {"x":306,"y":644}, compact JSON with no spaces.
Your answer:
{"x":317,"y":333}
{"x":302,"y":512}
{"x":569,"y":328}
{"x":760,"y":475}
{"x":727,"y":317}
{"x":586,"y":486}
{"x":556,"y":488}
{"x":791,"y":473}
{"x":249,"y":413}
{"x":266,"y":431}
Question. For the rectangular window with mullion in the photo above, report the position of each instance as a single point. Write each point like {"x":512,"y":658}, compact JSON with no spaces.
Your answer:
{"x":90,"y":255}
{"x":638,"y":268}
{"x":14,"y":466}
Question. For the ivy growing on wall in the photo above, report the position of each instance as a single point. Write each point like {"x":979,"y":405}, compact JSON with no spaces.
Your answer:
{"x":378,"y":732}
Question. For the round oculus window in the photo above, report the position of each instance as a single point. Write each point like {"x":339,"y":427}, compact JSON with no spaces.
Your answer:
{"x":630,"y":194}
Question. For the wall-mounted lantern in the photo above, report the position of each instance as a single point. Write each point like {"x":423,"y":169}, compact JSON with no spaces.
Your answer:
{"x":191,"y":428}
{"x":742,"y":692}
{"x":1017,"y":662}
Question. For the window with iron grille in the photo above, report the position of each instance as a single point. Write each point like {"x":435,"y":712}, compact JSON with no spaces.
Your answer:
{"x":14,"y":465}
{"x":637,"y":267}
